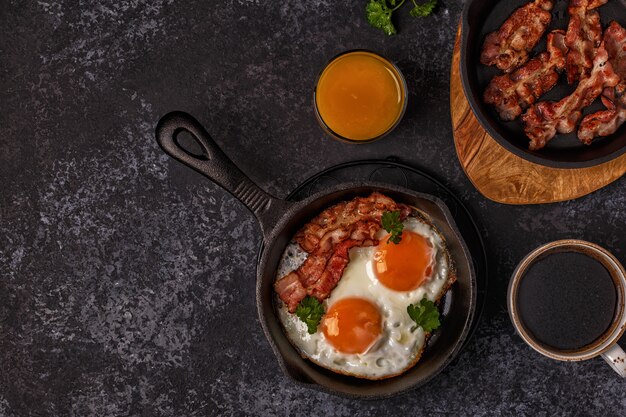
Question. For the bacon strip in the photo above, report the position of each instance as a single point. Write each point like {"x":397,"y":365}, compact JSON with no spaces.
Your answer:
{"x":508,"y":47}
{"x":512,"y":93}
{"x":290,"y":290}
{"x":584,"y":34}
{"x":328,"y":239}
{"x":607,"y":122}
{"x":615,"y":43}
{"x":333,"y":271}
{"x":337,"y":217}
{"x":543,"y":120}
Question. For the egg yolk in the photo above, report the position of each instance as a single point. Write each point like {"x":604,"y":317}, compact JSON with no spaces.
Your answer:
{"x":352,"y":325}
{"x":406,"y":265}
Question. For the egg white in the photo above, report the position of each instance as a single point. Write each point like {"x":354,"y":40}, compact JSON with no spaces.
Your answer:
{"x":399,"y":343}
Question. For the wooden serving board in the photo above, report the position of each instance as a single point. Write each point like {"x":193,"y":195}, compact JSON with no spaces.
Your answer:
{"x":506,"y":178}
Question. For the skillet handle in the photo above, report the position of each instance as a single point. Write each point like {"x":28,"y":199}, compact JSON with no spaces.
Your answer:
{"x":215,"y":165}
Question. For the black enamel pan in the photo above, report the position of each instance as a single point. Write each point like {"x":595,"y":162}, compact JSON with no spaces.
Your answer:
{"x":481,"y":17}
{"x":279,"y":220}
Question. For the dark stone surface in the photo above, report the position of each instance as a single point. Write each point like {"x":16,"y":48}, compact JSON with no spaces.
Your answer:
{"x":127,"y":281}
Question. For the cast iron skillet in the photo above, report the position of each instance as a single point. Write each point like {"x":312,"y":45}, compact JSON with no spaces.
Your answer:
{"x":481,"y":17}
{"x":279,"y":220}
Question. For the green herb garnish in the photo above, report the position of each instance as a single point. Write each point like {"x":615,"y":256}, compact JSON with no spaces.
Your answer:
{"x":379,"y":16}
{"x":379,"y":12}
{"x":425,"y":315}
{"x":423,"y":10}
{"x":310,"y":311}
{"x":392,"y":224}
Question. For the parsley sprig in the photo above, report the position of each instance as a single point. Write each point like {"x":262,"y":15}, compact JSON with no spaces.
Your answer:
{"x":379,"y":12}
{"x":424,"y":9}
{"x":310,"y":311}
{"x":425,"y":315}
{"x":393,"y":225}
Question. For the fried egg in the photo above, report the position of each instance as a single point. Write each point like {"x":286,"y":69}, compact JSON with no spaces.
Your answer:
{"x":366,"y":330}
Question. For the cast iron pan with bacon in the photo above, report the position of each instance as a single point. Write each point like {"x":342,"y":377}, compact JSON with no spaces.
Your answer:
{"x":545,"y":77}
{"x":280,"y":221}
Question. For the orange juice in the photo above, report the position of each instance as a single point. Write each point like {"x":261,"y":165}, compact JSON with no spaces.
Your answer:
{"x":360,"y":96}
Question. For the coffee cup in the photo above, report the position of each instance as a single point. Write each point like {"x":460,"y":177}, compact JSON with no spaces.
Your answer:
{"x":566,"y":301}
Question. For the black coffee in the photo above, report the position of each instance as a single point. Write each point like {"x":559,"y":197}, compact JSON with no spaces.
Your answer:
{"x":566,"y":301}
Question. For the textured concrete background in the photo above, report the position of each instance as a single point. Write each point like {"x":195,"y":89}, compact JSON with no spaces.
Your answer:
{"x":127,"y":281}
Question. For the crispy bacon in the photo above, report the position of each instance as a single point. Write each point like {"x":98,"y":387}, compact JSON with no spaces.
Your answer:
{"x":512,"y":93}
{"x":584,"y":34}
{"x":333,"y":271}
{"x":606,"y":122}
{"x":312,"y":268}
{"x":615,"y":43}
{"x":290,"y":290}
{"x":508,"y":47}
{"x":327,"y":239}
{"x":543,"y":120}
{"x":338,"y":217}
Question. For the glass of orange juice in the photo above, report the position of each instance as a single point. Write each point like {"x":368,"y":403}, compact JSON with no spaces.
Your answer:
{"x":360,"y":96}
